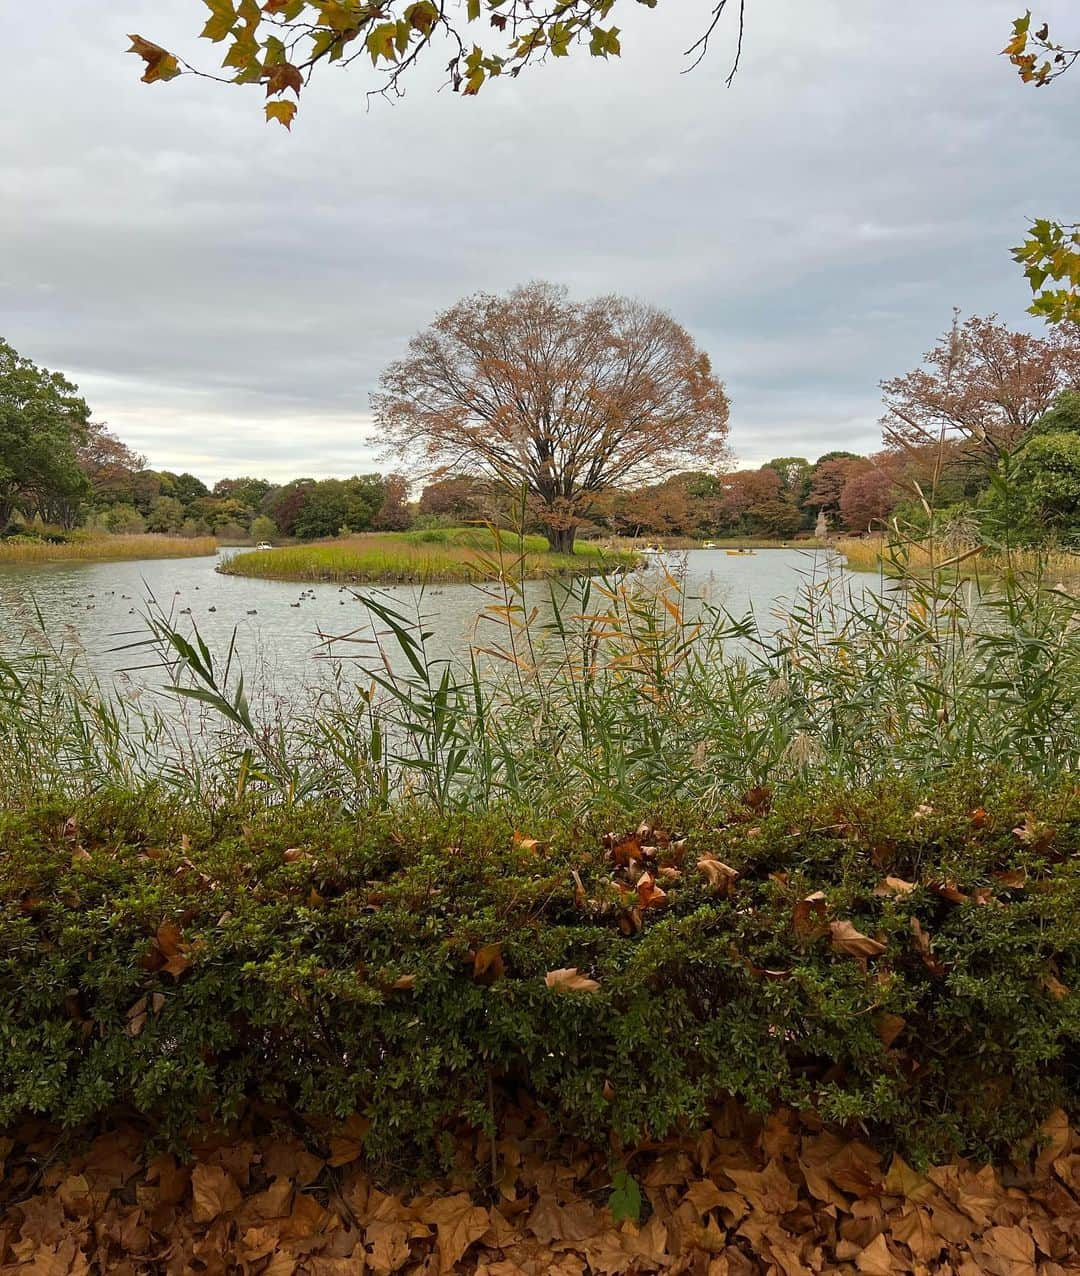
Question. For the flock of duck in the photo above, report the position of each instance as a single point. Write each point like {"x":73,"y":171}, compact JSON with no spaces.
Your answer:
{"x":306,"y":595}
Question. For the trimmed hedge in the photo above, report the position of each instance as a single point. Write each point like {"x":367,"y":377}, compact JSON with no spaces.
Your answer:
{"x":184,"y":966}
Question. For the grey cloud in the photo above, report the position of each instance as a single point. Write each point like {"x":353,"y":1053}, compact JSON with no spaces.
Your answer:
{"x":227,"y":294}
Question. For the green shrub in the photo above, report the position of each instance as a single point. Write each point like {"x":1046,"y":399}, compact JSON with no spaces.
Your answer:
{"x":185,"y":964}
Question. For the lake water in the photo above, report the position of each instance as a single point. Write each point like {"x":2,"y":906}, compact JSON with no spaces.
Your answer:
{"x":287,"y":631}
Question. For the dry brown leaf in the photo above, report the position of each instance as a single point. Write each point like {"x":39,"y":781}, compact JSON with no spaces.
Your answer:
{"x":550,"y":1221}
{"x":275,"y":1201}
{"x":768,"y":1191}
{"x":808,"y":916}
{"x":946,"y":890}
{"x":215,"y":1193}
{"x":888,"y":1027}
{"x":387,"y":1244}
{"x":875,"y":1259}
{"x":720,"y":876}
{"x":649,"y":894}
{"x":1008,"y":1251}
{"x":922,"y":943}
{"x":570,"y":980}
{"x":902,"y":1180}
{"x":347,"y":1142}
{"x":488,"y":964}
{"x":846,"y":939}
{"x":1054,"y":986}
{"x":916,"y":1230}
{"x":460,"y":1224}
{"x":893,"y":887}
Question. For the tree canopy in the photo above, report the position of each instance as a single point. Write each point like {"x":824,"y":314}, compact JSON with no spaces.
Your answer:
{"x":981,"y":382}
{"x":43,"y":422}
{"x":564,"y":398}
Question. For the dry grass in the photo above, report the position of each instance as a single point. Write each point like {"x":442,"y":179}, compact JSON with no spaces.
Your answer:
{"x":107,"y":548}
{"x":871,"y":553}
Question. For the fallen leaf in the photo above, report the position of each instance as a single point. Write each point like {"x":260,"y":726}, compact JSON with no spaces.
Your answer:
{"x":721,"y":876}
{"x":460,"y":1224}
{"x":215,"y":1193}
{"x":649,"y":894}
{"x":916,"y":1230}
{"x":488,"y":964}
{"x":569,"y":980}
{"x":846,"y":939}
{"x":947,"y":890}
{"x":888,"y":1027}
{"x":347,"y":1142}
{"x":875,"y":1259}
{"x":1054,"y":986}
{"x":809,"y":916}
{"x":902,"y":1180}
{"x":893,"y":887}
{"x":922,"y":943}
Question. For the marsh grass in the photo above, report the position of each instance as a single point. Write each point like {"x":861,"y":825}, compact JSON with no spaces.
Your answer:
{"x":897,"y":556}
{"x":622,"y":696}
{"x":106,"y":548}
{"x":435,"y":556}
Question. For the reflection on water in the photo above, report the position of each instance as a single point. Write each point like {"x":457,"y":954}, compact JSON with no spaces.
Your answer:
{"x":286,"y":632}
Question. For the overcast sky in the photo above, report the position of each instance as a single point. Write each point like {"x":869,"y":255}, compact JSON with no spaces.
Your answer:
{"x":226,"y":293}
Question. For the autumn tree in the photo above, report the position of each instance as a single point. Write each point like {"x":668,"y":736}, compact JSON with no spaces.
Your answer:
{"x":108,"y":464}
{"x":870,"y":495}
{"x":827,"y":480}
{"x":393,"y":515}
{"x":757,"y":503}
{"x":982,"y":383}
{"x":559,"y":397}
{"x":460,"y":499}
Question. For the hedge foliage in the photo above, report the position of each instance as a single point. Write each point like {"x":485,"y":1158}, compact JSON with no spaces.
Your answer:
{"x":905,"y":962}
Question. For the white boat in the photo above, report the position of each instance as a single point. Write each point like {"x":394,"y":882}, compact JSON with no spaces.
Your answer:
{"x":264,"y":545}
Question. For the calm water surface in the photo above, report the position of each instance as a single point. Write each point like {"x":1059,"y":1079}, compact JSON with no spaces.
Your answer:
{"x":291,"y":634}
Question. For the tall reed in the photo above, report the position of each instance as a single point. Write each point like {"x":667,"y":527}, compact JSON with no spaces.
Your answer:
{"x":106,"y":548}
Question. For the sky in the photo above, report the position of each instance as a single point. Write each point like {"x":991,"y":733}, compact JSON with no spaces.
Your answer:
{"x":226,"y":294}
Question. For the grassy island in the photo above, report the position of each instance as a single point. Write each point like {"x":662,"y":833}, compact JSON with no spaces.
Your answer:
{"x":443,"y":554}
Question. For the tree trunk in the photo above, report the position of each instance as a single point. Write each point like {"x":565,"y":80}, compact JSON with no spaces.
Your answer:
{"x":562,"y":539}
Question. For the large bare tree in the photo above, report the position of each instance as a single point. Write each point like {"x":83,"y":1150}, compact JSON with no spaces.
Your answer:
{"x":566,"y":398}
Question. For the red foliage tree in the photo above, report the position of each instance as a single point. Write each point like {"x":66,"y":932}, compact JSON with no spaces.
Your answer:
{"x":564,"y":398}
{"x":982,"y":382}
{"x":869,"y":496}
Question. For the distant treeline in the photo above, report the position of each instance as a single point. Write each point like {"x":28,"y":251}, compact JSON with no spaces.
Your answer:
{"x":986,"y":434}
